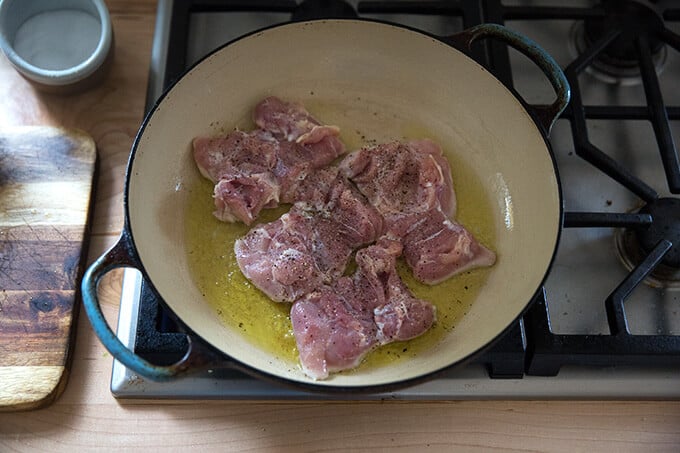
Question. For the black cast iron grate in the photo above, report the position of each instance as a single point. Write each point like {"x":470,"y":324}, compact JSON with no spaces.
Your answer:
{"x":529,"y":346}
{"x":625,"y":26}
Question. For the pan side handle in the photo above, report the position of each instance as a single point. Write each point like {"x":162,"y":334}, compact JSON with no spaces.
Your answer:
{"x":198,"y":355}
{"x":546,"y":115}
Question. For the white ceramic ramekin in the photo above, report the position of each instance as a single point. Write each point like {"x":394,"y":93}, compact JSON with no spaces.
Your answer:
{"x":60,"y":45}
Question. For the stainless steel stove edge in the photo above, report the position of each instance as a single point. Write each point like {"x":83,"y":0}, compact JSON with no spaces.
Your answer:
{"x":471,"y":382}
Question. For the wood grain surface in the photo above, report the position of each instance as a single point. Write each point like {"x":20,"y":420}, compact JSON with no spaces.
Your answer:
{"x":87,"y":418}
{"x":46,"y":180}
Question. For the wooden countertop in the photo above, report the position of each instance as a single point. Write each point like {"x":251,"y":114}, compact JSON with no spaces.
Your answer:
{"x":87,"y":417}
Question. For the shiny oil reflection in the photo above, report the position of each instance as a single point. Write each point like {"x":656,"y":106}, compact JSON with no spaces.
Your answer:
{"x":505,"y":201}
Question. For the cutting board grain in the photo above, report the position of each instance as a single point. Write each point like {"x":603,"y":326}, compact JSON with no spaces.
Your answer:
{"x":46,"y":180}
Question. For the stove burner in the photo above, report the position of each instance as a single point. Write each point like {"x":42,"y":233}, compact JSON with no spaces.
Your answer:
{"x":324,"y":9}
{"x":634,"y":245}
{"x":618,"y":62}
{"x":665,"y":213}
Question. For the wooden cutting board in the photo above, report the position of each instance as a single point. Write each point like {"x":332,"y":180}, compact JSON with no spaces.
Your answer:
{"x":46,"y":181}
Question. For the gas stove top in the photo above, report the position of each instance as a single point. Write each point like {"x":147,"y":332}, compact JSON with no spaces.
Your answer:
{"x":607,"y":323}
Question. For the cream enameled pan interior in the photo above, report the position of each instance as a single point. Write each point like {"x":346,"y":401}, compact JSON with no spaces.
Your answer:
{"x":352,"y":69}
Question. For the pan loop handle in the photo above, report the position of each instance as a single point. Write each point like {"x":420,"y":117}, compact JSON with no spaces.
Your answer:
{"x":122,"y":254}
{"x":545,"y":114}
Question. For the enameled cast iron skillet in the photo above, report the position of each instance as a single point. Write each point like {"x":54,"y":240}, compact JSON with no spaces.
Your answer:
{"x":355,"y":68}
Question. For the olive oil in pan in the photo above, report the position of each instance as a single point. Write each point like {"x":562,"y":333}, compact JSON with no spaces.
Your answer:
{"x":239,"y":304}
{"x":267,"y":324}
